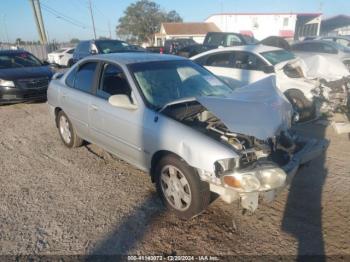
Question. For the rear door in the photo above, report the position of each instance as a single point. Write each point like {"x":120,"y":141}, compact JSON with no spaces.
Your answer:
{"x":237,"y":68}
{"x":247,"y":67}
{"x":76,"y":96}
{"x":118,"y":130}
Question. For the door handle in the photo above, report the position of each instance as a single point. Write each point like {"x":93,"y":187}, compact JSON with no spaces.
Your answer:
{"x":64,"y":95}
{"x":94,"y":107}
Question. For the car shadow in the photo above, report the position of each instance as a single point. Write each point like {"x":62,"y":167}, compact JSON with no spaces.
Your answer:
{"x":129,"y":232}
{"x":302,"y":216}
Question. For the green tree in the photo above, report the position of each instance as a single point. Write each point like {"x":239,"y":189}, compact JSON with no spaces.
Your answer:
{"x":74,"y":41}
{"x":142,"y":19}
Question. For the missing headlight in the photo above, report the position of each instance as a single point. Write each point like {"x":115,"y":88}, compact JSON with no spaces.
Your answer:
{"x":224,"y":165}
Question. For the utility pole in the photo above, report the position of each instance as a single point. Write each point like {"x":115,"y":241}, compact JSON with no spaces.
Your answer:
{"x":92,"y":19}
{"x":39,"y":20}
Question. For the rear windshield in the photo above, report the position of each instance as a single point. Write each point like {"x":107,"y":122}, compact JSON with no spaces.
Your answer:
{"x":277,"y":56}
{"x":108,"y":46}
{"x":15,"y":60}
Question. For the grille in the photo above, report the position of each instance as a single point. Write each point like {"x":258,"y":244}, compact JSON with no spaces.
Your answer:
{"x":33,"y":83}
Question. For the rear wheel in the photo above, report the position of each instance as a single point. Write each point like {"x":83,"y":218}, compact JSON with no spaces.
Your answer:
{"x":305,"y":108}
{"x":67,"y":132}
{"x":180,"y":187}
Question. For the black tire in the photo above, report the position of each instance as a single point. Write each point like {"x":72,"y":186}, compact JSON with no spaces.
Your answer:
{"x":305,"y":108}
{"x":200,"y":193}
{"x":70,"y":63}
{"x":75,"y":140}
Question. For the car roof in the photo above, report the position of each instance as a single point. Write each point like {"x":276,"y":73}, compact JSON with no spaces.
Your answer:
{"x":11,"y":51}
{"x":248,"y":48}
{"x":338,"y":36}
{"x":137,"y":57}
{"x":314,"y":42}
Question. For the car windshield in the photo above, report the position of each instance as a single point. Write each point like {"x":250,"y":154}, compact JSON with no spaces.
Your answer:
{"x":167,"y":81}
{"x":61,"y":50}
{"x":277,"y":56}
{"x":113,"y":46}
{"x":15,"y":60}
{"x":250,"y":40}
{"x":341,"y":47}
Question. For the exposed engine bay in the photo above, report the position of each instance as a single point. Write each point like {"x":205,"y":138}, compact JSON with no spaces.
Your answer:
{"x":278,"y":149}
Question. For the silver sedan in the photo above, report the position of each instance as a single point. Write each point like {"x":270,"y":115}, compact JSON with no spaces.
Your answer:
{"x":175,"y":120}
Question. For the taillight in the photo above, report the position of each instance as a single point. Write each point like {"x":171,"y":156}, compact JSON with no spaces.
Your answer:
{"x":161,"y":50}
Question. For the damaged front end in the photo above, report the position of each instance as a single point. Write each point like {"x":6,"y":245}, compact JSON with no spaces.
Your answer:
{"x":255,"y":124}
{"x":330,"y":80}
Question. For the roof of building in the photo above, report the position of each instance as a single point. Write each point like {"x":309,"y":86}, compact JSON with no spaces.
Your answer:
{"x":189,"y":28}
{"x":135,"y":57}
{"x":335,"y":22}
{"x":285,"y":13}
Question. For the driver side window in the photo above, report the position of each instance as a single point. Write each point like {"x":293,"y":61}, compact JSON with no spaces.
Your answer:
{"x":247,"y":61}
{"x":113,"y":82}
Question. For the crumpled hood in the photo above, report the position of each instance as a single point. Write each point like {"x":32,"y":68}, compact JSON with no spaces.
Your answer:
{"x":324,"y":67}
{"x":258,"y":109}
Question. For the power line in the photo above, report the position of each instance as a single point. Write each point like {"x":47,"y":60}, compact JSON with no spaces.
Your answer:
{"x":67,"y":18}
{"x":63,"y":16}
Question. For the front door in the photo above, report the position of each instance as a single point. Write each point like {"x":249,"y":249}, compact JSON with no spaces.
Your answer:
{"x":118,"y":130}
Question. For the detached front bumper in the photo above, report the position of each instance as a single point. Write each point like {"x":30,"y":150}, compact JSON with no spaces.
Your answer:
{"x":309,"y":150}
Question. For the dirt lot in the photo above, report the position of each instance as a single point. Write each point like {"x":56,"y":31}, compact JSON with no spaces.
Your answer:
{"x":84,"y":201}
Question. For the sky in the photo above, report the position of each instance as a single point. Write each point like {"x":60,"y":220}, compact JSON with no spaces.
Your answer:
{"x":16,"y":17}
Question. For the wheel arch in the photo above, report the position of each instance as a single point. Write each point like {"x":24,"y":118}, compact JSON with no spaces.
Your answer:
{"x":57,"y":110}
{"x":155,"y":159}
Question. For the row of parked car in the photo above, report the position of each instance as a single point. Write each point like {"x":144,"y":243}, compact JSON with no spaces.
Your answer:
{"x":217,"y":124}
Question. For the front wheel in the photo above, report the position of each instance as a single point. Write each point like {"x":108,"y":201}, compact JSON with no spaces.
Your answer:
{"x":180,"y":187}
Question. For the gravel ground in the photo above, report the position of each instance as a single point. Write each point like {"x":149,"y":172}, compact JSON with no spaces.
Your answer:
{"x":54,"y":200}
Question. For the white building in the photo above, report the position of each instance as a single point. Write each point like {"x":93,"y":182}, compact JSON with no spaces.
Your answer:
{"x":195,"y":31}
{"x":262,"y":25}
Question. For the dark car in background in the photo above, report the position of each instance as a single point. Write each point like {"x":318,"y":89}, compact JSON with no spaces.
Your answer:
{"x":172,"y":46}
{"x":214,"y":40}
{"x":94,"y":47}
{"x":23,"y":77}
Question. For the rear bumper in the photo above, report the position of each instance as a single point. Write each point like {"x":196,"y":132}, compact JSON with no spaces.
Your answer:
{"x":16,"y":95}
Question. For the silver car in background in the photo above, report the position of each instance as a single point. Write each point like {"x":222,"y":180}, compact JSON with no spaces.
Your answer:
{"x":177,"y":121}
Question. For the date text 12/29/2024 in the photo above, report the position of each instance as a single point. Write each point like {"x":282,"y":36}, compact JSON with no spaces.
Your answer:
{"x":173,"y":258}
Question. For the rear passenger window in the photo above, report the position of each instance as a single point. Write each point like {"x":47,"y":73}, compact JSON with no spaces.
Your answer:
{"x":84,"y":77}
{"x":113,"y":82}
{"x":219,"y":60}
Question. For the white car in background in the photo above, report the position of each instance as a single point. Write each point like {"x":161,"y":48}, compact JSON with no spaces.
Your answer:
{"x":242,"y":65}
{"x":62,"y":57}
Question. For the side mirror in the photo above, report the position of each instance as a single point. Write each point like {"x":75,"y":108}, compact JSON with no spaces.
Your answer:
{"x":45,"y":63}
{"x":93,"y":52}
{"x":268,"y":69}
{"x":122,"y":101}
